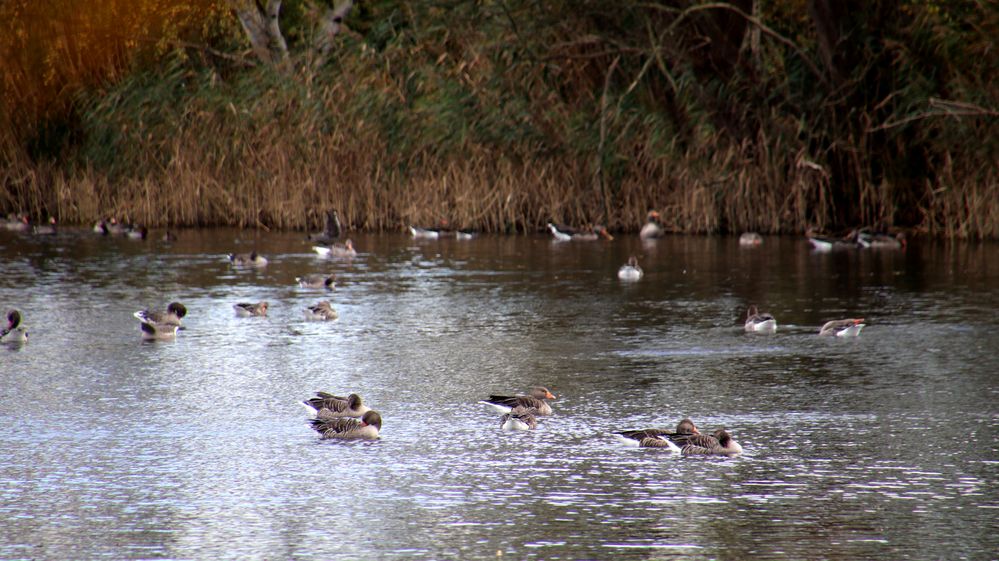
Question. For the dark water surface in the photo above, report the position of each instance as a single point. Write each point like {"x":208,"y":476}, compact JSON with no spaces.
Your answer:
{"x":881,"y":447}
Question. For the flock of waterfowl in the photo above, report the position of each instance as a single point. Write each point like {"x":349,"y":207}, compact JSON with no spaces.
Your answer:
{"x":348,"y":417}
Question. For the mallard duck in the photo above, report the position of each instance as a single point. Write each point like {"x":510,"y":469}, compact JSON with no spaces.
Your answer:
{"x":658,"y":438}
{"x":631,"y":271}
{"x":518,"y":421}
{"x":346,"y":249}
{"x":323,"y":311}
{"x":172,"y":316}
{"x":367,"y":427}
{"x":329,"y":406}
{"x":652,"y":228}
{"x":246,"y":309}
{"x":317,"y":281}
{"x":13,"y":332}
{"x":534,"y":403}
{"x":842,"y":327}
{"x":252,"y":259}
{"x":750,"y":239}
{"x":757,"y":322}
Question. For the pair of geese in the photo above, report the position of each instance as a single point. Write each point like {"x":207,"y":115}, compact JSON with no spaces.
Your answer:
{"x":162,"y":325}
{"x":348,"y":418}
{"x":761,"y":322}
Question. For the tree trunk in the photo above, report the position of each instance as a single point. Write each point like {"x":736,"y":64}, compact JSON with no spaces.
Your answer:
{"x":330,"y":23}
{"x":262,"y":25}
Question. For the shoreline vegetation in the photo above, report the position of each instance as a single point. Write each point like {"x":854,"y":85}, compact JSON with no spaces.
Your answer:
{"x":503,"y":116}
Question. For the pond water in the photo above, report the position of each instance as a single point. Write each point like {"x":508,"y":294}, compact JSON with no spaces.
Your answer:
{"x":878,"y":447}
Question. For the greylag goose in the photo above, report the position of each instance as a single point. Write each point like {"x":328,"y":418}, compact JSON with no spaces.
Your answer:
{"x":759,"y":322}
{"x":535,"y":403}
{"x":252,"y":259}
{"x":367,"y":427}
{"x":246,"y":309}
{"x":323,"y":311}
{"x":842,"y":327}
{"x":329,"y":406}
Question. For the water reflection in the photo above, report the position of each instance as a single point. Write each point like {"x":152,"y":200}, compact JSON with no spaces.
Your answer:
{"x":877,"y":447}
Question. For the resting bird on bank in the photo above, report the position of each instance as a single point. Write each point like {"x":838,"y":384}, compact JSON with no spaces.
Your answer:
{"x":535,"y":403}
{"x":757,"y":322}
{"x":366,"y":428}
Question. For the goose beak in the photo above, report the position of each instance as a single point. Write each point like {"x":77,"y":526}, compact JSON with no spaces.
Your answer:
{"x":549,"y":395}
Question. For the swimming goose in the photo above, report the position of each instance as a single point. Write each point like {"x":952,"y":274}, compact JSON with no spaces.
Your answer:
{"x":246,"y":309}
{"x":652,"y":227}
{"x":426,"y":233}
{"x":329,"y":406}
{"x":323,"y":311}
{"x":534,"y":403}
{"x":518,"y":421}
{"x":750,"y":239}
{"x":757,"y":322}
{"x":658,"y":438}
{"x":152,"y":331}
{"x":631,"y":271}
{"x":13,"y":332}
{"x":721,"y":444}
{"x":317,"y":281}
{"x":346,"y":428}
{"x":252,"y":259}
{"x":336,"y":250}
{"x":174,"y":312}
{"x":842,"y":327}
{"x":588,"y":234}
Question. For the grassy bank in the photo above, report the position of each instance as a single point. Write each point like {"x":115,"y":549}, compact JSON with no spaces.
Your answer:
{"x":503,"y":117}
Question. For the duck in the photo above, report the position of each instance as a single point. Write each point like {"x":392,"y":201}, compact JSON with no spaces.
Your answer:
{"x":346,"y":249}
{"x":630,"y":271}
{"x":317,"y":281}
{"x":750,"y":239}
{"x":880,"y":240}
{"x":464,"y":234}
{"x":329,"y":406}
{"x":331,"y":229}
{"x":172,"y":316}
{"x":137,"y":232}
{"x":168,"y":236}
{"x":518,"y":421}
{"x":13,"y":332}
{"x":116,"y":228}
{"x":365,"y":428}
{"x":100,"y":227}
{"x":658,"y":438}
{"x":252,"y":259}
{"x":17,"y":222}
{"x":534,"y":403}
{"x":652,"y":228}
{"x":759,"y":322}
{"x":824,"y":244}
{"x":45,"y":229}
{"x":246,"y":309}
{"x":588,"y":234}
{"x":426,"y":233}
{"x":323,"y":311}
{"x":842,"y":327}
